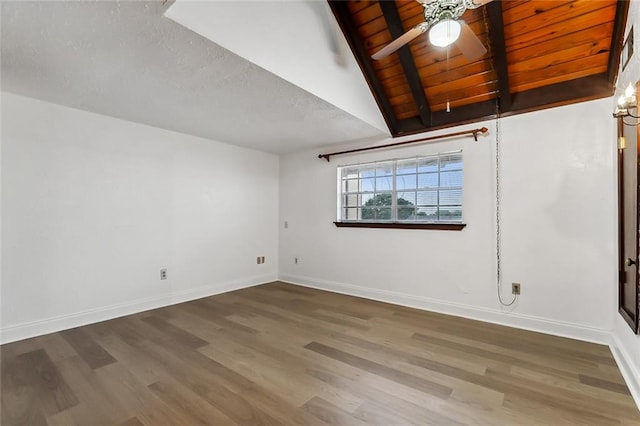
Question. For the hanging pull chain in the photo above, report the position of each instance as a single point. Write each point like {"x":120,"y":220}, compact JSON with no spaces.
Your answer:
{"x":498,"y":195}
{"x":447,"y":83}
{"x":498,"y":236}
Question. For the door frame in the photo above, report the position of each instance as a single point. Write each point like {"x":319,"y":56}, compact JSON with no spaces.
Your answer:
{"x":630,"y":317}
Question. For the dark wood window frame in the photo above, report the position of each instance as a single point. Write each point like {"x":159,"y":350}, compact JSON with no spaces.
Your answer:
{"x":397,"y":225}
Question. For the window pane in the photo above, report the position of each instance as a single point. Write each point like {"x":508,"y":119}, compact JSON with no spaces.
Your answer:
{"x":406,"y":213}
{"x":451,"y":197}
{"x":427,"y":198}
{"x":366,"y":197}
{"x":376,"y":213}
{"x":448,"y":179}
{"x":350,"y":185}
{"x":349,"y":172}
{"x":406,"y":167}
{"x":384,"y":184}
{"x":451,"y":213}
{"x":368,"y":185}
{"x":382,"y":199}
{"x":451,"y":162}
{"x":406,"y":182}
{"x":428,"y":180}
{"x":368,"y":213}
{"x":350,"y":200}
{"x":428,"y":164}
{"x":384,"y":169}
{"x":406,"y":198}
{"x":350,"y":214}
{"x":383,"y":213}
{"x":427,"y":214}
{"x":367,"y":171}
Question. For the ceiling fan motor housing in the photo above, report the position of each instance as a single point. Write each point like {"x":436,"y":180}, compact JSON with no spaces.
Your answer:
{"x":438,"y":10}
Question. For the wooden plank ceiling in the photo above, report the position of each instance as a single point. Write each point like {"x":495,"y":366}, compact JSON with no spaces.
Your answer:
{"x":540,"y":53}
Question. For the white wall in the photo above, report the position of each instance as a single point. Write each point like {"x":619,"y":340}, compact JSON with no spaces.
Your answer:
{"x":558,"y":228}
{"x":626,"y":345}
{"x":93,"y":207}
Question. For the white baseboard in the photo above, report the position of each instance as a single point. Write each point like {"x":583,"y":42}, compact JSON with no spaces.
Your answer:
{"x":64,"y":322}
{"x":510,"y":319}
{"x":627,"y":368}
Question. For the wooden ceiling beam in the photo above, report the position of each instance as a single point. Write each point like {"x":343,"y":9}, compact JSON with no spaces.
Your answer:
{"x":499,"y":51}
{"x":341,"y":11}
{"x":568,"y":92}
{"x":441,"y":119}
{"x":617,"y":39}
{"x":465,"y":114}
{"x":572,"y":91}
{"x":394,"y":24}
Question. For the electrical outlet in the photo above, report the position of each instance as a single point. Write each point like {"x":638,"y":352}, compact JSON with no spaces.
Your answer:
{"x":286,"y":224}
{"x":295,"y":260}
{"x":258,"y":260}
{"x":515,"y":288}
{"x":163,"y":273}
{"x":261,"y":259}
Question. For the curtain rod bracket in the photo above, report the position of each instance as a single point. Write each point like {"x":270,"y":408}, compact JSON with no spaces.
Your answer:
{"x":473,"y":132}
{"x":476,"y":131}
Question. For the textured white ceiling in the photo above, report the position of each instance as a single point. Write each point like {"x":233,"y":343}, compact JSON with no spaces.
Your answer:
{"x":299,"y":41}
{"x":126,"y":60}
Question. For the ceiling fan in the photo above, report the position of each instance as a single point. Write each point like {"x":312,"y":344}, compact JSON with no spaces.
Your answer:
{"x":441,"y":20}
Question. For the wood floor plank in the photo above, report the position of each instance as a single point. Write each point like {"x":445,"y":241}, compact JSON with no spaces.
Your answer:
{"x":54,"y":395}
{"x":135,"y":397}
{"x":283,"y":354}
{"x":92,"y":353}
{"x":329,"y":413}
{"x":20,"y":396}
{"x":562,"y":397}
{"x":546,"y":363}
{"x":133,"y":421}
{"x":295,"y":365}
{"x":595,"y":388}
{"x":273,"y":381}
{"x":218,"y":321}
{"x":177,"y":335}
{"x":382,"y":370}
{"x":463,"y":381}
{"x":219,"y":385}
{"x":383,"y":400}
{"x":190,"y":407}
{"x":96,"y":404}
{"x":143,"y":367}
{"x":548,"y":413}
{"x":603,"y":384}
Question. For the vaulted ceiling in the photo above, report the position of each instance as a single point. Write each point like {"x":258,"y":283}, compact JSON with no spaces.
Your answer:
{"x":540,"y":53}
{"x":127,"y":60}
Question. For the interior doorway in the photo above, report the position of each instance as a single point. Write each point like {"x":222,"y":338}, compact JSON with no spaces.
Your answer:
{"x":628,"y":166}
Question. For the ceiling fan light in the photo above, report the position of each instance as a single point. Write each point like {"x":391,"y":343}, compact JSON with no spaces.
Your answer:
{"x":444,"y":33}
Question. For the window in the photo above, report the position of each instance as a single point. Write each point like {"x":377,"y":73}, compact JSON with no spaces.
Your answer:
{"x":412,"y":190}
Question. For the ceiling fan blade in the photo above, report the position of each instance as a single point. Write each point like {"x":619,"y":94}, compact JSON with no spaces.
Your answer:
{"x":400,"y":41}
{"x":469,"y":44}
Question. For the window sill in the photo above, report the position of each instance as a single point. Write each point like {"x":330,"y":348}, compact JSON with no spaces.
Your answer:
{"x":398,"y":225}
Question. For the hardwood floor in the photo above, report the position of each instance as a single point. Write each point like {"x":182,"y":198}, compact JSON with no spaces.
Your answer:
{"x":282,"y":354}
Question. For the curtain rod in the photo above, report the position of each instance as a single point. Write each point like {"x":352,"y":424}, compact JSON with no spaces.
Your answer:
{"x":473,"y":132}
